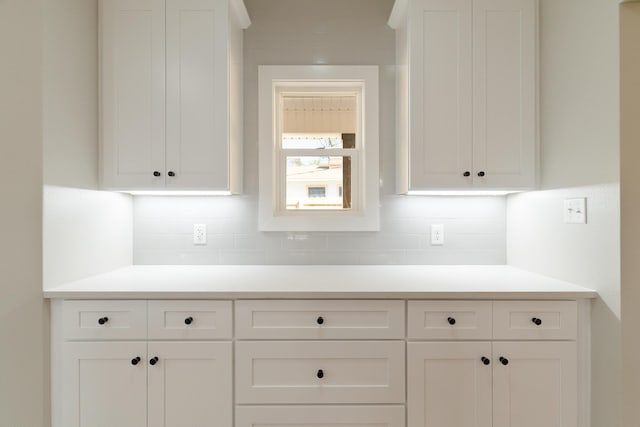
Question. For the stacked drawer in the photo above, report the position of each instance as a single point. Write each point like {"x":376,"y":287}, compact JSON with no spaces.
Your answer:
{"x":295,"y":360}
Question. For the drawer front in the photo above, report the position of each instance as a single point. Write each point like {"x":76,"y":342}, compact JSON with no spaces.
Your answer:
{"x":324,"y":416}
{"x":535,"y":320}
{"x":105,"y":320}
{"x":319,"y":319}
{"x":320,"y":372}
{"x":190,"y":320}
{"x":449,"y":320}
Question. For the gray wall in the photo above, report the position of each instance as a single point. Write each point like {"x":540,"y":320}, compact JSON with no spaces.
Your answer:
{"x":336,"y":32}
{"x":580,"y":158}
{"x":23,"y":313}
{"x":630,"y":190}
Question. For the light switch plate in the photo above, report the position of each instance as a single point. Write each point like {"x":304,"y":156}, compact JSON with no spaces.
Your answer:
{"x":575,"y":211}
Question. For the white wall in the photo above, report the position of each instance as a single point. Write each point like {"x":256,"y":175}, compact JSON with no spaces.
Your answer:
{"x":85,"y":232}
{"x":23,"y":312}
{"x":630,"y":153}
{"x":580,"y":158}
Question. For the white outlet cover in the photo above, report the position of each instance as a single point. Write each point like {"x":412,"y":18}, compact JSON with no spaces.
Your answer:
{"x":437,"y":234}
{"x":575,"y":211}
{"x":199,"y":234}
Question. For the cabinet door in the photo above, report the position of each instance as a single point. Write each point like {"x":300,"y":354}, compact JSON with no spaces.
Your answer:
{"x":440,"y":97}
{"x":133,"y":94}
{"x":197,"y":81}
{"x":190,"y":384}
{"x":538,"y":385}
{"x":448,"y":384}
{"x":504,"y":94}
{"x":102,"y":385}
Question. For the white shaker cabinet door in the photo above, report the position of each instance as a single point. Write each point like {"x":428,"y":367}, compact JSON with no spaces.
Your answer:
{"x":190,"y":384}
{"x":197,"y":94}
{"x":535,"y":384}
{"x":440,"y":108}
{"x":133,"y":94}
{"x":105,"y":384}
{"x":449,"y":384}
{"x":504,"y":93}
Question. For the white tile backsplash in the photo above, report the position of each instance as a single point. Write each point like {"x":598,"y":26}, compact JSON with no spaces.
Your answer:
{"x":474,"y":233}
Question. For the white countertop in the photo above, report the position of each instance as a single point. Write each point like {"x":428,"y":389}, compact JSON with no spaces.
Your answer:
{"x":320,"y":281}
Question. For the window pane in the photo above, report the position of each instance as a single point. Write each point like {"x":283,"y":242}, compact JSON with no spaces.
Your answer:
{"x":318,"y":182}
{"x":312,"y":142}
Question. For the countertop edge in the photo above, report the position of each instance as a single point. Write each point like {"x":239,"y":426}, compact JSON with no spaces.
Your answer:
{"x":479,"y":295}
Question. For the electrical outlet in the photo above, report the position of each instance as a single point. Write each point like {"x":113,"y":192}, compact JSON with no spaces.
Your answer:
{"x":437,"y":234}
{"x":575,"y":211}
{"x":199,"y":234}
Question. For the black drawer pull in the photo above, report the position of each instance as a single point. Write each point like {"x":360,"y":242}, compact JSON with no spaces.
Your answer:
{"x":103,"y":320}
{"x":320,"y":320}
{"x":188,"y":320}
{"x":451,"y":320}
{"x":320,"y":374}
{"x":504,"y":360}
{"x":537,"y":321}
{"x":485,"y":360}
{"x":153,"y":360}
{"x":135,"y":360}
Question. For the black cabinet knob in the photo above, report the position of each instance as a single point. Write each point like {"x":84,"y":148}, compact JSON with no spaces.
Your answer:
{"x":537,"y":321}
{"x":504,"y":360}
{"x":451,"y":320}
{"x":156,"y":173}
{"x":103,"y":320}
{"x":188,"y":320}
{"x":320,"y":373}
{"x":481,"y":173}
{"x":135,"y":360}
{"x":153,"y":360}
{"x":485,"y":360}
{"x":320,"y":320}
{"x":171,"y":173}
{"x":466,"y":173}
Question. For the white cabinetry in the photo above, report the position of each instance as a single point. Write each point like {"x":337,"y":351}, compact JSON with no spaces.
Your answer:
{"x":466,"y":94}
{"x":171,"y":94}
{"x":105,"y":381}
{"x":492,"y":383}
{"x":297,"y":363}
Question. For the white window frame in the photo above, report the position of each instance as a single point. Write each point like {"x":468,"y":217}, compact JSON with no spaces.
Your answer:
{"x":276,"y":80}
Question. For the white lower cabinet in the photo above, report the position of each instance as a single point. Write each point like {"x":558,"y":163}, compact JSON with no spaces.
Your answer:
{"x":190,"y":384}
{"x":448,"y":384}
{"x":471,"y":384}
{"x":105,"y":384}
{"x":159,"y":384}
{"x":491,"y":383}
{"x":342,"y":363}
{"x":535,"y":384}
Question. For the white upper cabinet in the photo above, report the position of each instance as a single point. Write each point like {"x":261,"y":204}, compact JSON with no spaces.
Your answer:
{"x":466,"y":94}
{"x":171,"y":94}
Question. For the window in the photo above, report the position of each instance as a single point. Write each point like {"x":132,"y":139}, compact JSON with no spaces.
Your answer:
{"x":318,"y":130}
{"x":317,"y":192}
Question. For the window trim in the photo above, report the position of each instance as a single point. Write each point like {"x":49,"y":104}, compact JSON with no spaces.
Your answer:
{"x":274,"y":80}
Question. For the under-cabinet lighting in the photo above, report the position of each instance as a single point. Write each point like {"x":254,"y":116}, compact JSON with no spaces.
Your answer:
{"x":178,"y":193}
{"x":460,"y":193}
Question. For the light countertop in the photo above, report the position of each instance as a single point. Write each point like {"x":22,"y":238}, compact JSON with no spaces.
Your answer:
{"x":320,"y":281}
